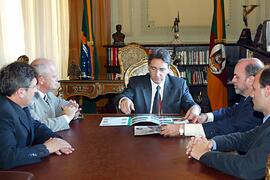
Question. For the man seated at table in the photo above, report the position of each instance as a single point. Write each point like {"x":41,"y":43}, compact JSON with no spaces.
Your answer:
{"x":23,"y":139}
{"x":255,"y":143}
{"x":238,"y":118}
{"x":53,"y":111}
{"x":158,"y":91}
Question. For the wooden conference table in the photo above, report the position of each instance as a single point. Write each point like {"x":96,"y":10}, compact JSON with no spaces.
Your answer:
{"x":115,"y":153}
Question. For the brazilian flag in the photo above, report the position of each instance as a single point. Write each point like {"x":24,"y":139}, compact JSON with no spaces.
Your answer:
{"x":88,"y":56}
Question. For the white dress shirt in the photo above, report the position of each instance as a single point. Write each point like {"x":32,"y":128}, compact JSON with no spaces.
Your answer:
{"x":154,"y":89}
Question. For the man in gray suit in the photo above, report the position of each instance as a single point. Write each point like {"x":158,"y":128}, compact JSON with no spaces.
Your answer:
{"x":254,"y":143}
{"x":172,"y":92}
{"x":53,"y":111}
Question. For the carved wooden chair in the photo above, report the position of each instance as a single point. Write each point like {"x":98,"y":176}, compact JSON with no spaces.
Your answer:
{"x":267,"y":168}
{"x":141,"y":68}
{"x":129,"y":55}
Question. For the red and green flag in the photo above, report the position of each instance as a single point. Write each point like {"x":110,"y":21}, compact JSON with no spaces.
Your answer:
{"x":89,"y":59}
{"x":217,"y":76}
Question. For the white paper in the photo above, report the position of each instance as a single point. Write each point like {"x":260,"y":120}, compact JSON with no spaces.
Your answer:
{"x":194,"y":130}
{"x":114,"y":121}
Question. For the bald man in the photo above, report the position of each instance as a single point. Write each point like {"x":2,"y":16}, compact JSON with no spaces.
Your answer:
{"x":238,"y":118}
{"x":53,"y":111}
{"x":216,"y":152}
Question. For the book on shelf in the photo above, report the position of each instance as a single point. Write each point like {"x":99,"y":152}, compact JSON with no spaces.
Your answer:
{"x":141,"y":119}
{"x":112,"y":61}
{"x":192,"y":57}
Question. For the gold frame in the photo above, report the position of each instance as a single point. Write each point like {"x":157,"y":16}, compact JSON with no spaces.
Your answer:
{"x":129,"y":55}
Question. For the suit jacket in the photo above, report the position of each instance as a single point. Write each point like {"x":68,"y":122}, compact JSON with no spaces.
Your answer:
{"x":21,"y":136}
{"x":256,"y":145}
{"x":239,"y":118}
{"x":50,"y":112}
{"x":176,"y":95}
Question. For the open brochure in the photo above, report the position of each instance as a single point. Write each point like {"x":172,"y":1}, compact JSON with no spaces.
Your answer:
{"x":190,"y":130}
{"x":141,"y":119}
{"x":146,"y":130}
{"x":150,"y":119}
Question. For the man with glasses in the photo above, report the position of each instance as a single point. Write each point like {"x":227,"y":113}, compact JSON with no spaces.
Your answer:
{"x":172,"y":92}
{"x":23,"y":139}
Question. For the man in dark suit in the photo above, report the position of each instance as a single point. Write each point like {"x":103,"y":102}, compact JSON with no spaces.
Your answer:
{"x":23,"y":139}
{"x":139,"y":96}
{"x":255,"y":143}
{"x":238,"y":118}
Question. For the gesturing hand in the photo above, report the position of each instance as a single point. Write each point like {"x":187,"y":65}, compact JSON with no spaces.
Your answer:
{"x":200,"y":119}
{"x":126,"y":106}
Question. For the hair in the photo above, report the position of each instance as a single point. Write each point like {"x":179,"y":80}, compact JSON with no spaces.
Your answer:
{"x":41,"y":66}
{"x":160,"y":53}
{"x":14,"y":76}
{"x":23,"y":58}
{"x":265,"y":77}
{"x":253,"y":67}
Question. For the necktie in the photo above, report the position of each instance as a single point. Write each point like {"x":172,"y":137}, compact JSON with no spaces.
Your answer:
{"x":46,"y":98}
{"x":157,"y":102}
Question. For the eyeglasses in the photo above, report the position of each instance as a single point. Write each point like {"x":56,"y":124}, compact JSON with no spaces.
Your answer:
{"x":152,"y":68}
{"x":31,"y":87}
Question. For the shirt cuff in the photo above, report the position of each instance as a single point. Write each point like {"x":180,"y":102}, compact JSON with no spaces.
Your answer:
{"x":214,"y":147}
{"x":194,"y":130}
{"x":210,"y":117}
{"x":67,"y":118}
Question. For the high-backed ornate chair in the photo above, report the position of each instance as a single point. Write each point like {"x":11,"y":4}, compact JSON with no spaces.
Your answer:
{"x":129,"y":55}
{"x":267,"y":168}
{"x":141,"y":68}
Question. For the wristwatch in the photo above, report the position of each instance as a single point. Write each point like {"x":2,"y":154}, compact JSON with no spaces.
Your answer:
{"x":181,"y":130}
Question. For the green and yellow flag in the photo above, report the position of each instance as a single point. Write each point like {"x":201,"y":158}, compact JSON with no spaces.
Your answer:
{"x":89,"y":58}
{"x":217,"y":76}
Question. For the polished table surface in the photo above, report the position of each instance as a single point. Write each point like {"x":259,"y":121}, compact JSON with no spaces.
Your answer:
{"x":115,"y":153}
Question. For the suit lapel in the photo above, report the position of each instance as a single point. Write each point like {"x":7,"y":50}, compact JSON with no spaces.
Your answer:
{"x":24,"y":119}
{"x":264,"y":128}
{"x":147,"y":93}
{"x":167,"y":92}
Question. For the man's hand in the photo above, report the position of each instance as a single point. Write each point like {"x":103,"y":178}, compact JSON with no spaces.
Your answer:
{"x":70,"y":110}
{"x":170,"y":130}
{"x":190,"y":145}
{"x":197,"y":147}
{"x":126,"y":106}
{"x":58,"y":146}
{"x":193,"y":112}
{"x":73,"y":102}
{"x":200,"y":119}
{"x":76,"y":105}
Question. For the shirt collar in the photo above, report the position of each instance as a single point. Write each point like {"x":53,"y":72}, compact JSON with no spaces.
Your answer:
{"x":266,"y":118}
{"x":41,"y":94}
{"x":154,"y":85}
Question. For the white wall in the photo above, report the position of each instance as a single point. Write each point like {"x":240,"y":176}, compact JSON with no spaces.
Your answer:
{"x":150,"y":21}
